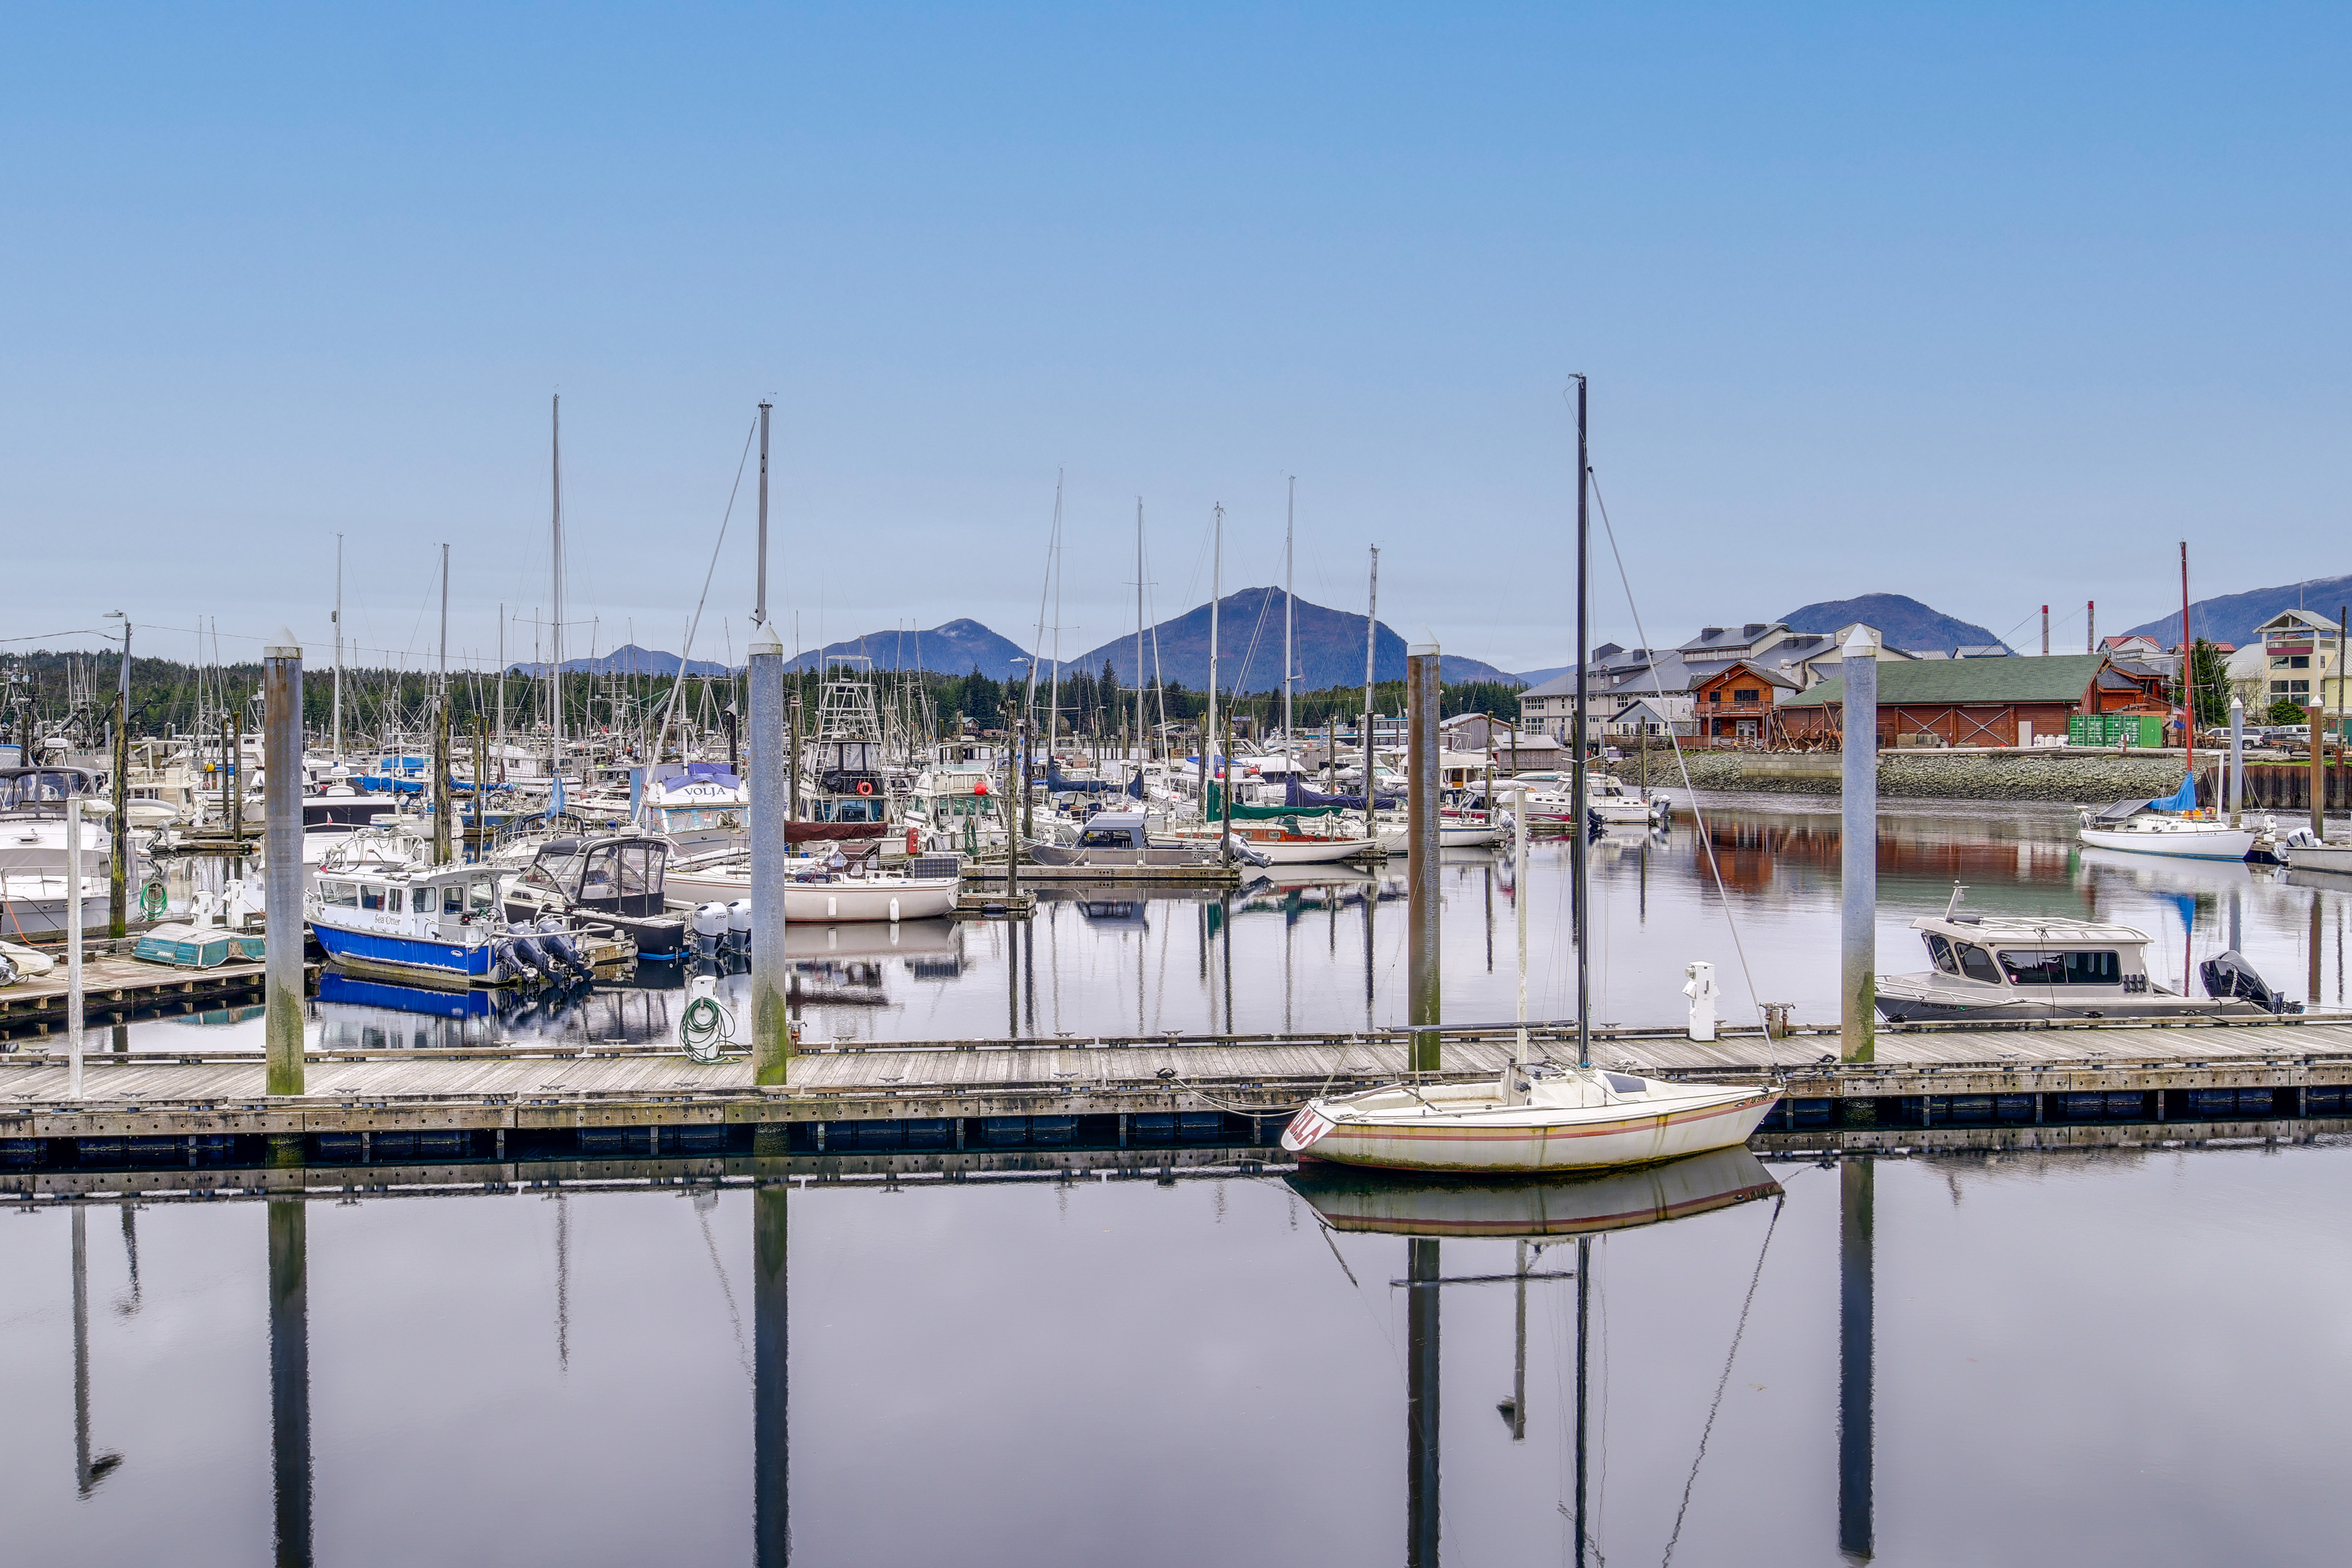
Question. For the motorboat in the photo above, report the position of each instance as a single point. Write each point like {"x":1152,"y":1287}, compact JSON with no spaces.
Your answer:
{"x":35,"y":850}
{"x":2003,"y":967}
{"x":2301,"y":852}
{"x":603,"y":882}
{"x":699,"y":807}
{"x":2174,"y":825}
{"x":1115,"y":839}
{"x":434,"y":926}
{"x":836,"y":887}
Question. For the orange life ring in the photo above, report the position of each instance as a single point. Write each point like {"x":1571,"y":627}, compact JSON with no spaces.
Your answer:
{"x":865,"y":787}
{"x":914,"y":841}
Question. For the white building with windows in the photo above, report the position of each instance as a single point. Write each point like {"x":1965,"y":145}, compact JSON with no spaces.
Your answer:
{"x":2292,"y":656}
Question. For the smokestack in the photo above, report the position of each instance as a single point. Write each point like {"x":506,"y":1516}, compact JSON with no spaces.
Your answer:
{"x":2090,"y":625}
{"x":2045,"y":631}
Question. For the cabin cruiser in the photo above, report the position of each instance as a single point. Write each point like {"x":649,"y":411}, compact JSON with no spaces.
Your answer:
{"x":838,"y":886}
{"x":701,"y":808}
{"x":2003,"y":967}
{"x":2301,"y":852}
{"x":35,"y":851}
{"x":603,"y":881}
{"x":1608,"y":803}
{"x":1115,"y":839}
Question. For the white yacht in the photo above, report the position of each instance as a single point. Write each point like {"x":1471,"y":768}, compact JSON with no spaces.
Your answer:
{"x":2003,"y":967}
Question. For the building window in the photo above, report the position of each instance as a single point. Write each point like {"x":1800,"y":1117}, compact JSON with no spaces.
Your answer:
{"x":1747,"y":694}
{"x":2291,"y":661}
{"x":2290,"y":688}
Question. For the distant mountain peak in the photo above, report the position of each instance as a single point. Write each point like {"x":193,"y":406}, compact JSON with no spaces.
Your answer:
{"x":1902,"y":621}
{"x":2232,"y":617}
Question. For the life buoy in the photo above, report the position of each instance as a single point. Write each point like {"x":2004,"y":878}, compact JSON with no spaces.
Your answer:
{"x":865,"y":787}
{"x":914,"y":841}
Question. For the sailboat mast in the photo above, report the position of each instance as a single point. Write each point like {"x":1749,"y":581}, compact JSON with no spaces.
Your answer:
{"x":1139,"y":626}
{"x":555,"y":625}
{"x":1053,"y":693}
{"x":339,"y":649}
{"x":1289,"y":642}
{"x":1216,"y":591}
{"x":1371,"y":637}
{"x":1577,"y":832}
{"x":2188,"y":681}
{"x":502,"y":693}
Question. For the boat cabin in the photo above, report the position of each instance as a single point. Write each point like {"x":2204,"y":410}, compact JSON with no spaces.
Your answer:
{"x":2085,"y":958}
{"x":1115,"y":830}
{"x":26,"y":788}
{"x":617,"y":875}
{"x":439,"y":906}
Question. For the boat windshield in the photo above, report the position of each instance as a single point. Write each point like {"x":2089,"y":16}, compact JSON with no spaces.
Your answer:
{"x":1975,"y":962}
{"x":1941,"y":952}
{"x":2059,"y":966}
{"x":34,"y":788}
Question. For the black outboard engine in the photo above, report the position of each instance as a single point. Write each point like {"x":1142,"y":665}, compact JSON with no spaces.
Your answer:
{"x":2230,"y":977}
{"x":560,"y":947}
{"x":533,"y":957}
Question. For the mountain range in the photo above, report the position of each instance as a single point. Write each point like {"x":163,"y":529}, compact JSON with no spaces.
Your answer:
{"x":626,"y":659}
{"x":955,"y":647}
{"x":2232,"y":617}
{"x":1329,"y":645}
{"x":1901,"y":622}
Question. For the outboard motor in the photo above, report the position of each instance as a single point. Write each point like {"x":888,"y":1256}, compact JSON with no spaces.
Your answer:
{"x":507,"y":966}
{"x":2230,"y":977}
{"x":738,"y":925}
{"x":532,"y":956}
{"x":709,"y":928}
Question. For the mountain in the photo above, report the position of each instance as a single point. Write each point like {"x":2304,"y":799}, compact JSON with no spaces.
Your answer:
{"x":626,"y":659}
{"x":957,"y":647}
{"x":2232,"y":617}
{"x":1538,"y":677}
{"x":1249,"y":632}
{"x":1902,"y":622}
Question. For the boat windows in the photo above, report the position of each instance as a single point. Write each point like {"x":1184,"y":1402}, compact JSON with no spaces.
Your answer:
{"x":1941,"y":952}
{"x":453,"y":897}
{"x":1975,"y":964}
{"x":1625,"y":1085}
{"x":1105,"y":838}
{"x":370,"y":896}
{"x":397,"y":895}
{"x":480,"y":896}
{"x":339,"y":895}
{"x":2059,"y":966}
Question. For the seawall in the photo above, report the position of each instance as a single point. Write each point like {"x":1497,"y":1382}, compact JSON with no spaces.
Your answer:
{"x":2053,"y":774}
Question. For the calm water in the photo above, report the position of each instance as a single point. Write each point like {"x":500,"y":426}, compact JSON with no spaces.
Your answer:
{"x":2125,"y":1358}
{"x":1326,"y":949}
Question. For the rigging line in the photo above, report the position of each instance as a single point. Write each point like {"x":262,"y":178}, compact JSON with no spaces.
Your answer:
{"x":1724,"y":1382}
{"x":687,"y":653}
{"x":1698,"y":815}
{"x":727,"y":1291}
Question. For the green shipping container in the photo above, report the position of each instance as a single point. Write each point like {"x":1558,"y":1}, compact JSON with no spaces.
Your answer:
{"x":2114,"y":729}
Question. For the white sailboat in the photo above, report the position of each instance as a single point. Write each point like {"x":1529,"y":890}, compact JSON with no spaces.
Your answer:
{"x":1532,"y":1118}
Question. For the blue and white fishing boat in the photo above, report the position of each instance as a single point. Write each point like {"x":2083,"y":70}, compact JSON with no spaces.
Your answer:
{"x":436,"y":925}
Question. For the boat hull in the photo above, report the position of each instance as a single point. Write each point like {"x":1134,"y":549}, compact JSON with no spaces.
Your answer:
{"x":405,"y":957}
{"x":928,"y":899}
{"x":2220,"y":844}
{"x":2334,"y":857}
{"x":1531,"y":1140}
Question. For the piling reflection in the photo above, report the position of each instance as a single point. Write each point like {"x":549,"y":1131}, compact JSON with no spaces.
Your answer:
{"x":770,"y":1423}
{"x":289,"y":1379}
{"x":1856,"y":1189}
{"x":1533,"y":1214}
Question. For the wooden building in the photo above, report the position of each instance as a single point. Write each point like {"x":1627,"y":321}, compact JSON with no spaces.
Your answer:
{"x":1738,"y":705}
{"x":1960,"y":702}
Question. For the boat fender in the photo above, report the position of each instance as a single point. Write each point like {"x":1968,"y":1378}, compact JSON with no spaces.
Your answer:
{"x":914,"y":840}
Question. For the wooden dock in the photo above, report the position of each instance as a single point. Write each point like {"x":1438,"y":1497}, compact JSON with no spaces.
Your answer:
{"x":117,"y":986}
{"x":1107,"y":873}
{"x":944,"y":1095}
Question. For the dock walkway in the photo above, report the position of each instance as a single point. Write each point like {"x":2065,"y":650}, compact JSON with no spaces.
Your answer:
{"x":181,"y":1103}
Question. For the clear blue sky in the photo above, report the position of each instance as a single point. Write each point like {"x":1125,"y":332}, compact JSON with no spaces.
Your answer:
{"x":1986,"y":305}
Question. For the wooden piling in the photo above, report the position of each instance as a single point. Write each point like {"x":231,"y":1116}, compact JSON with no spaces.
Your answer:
{"x":1422,"y":857}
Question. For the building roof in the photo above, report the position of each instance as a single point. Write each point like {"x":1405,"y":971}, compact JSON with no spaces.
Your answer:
{"x":2061,"y":678}
{"x":1754,"y":670}
{"x":1731,"y":639}
{"x":2297,"y":620}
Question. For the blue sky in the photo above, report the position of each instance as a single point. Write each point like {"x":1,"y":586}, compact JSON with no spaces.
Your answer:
{"x":1986,"y":305}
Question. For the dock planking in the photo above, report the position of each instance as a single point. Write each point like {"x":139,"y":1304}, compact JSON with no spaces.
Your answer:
{"x":543,"y":1088}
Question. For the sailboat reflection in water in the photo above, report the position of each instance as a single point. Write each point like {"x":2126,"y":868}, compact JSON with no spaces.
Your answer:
{"x":1535,"y":1214}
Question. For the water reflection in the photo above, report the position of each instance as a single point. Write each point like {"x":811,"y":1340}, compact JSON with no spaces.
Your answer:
{"x":1532,"y":1213}
{"x":1313,"y":948}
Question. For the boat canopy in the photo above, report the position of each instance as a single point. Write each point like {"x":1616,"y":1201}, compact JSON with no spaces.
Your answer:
{"x":1295,"y":794}
{"x":1216,"y":808}
{"x":2118,"y":812}
{"x":2182,"y":799}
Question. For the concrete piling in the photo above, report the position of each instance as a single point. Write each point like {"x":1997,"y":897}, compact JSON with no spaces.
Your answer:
{"x":2237,"y":758}
{"x":1422,"y":861}
{"x":772,"y":1039}
{"x":281,"y":686}
{"x":1858,"y":852}
{"x":1857,"y":1193}
{"x":771,"y":1386}
{"x":72,"y":913}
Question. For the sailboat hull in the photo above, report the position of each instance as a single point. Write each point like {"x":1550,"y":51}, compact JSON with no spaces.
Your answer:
{"x":1530,"y":1139}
